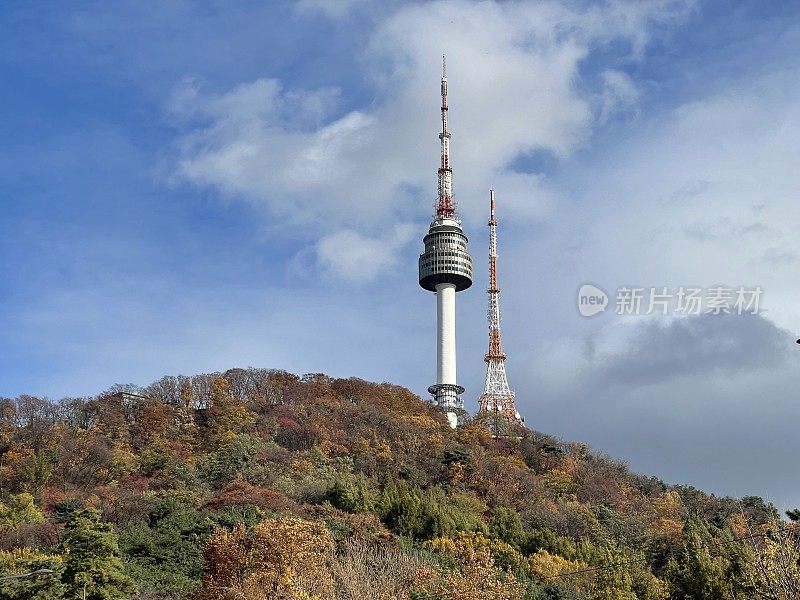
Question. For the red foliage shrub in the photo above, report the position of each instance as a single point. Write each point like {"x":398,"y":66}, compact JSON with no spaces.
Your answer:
{"x":241,"y":493}
{"x":43,"y":535}
{"x":50,"y":497}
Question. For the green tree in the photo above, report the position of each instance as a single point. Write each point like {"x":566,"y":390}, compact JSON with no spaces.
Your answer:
{"x":505,"y":524}
{"x":613,"y":580}
{"x":93,"y":569}
{"x":235,"y":459}
{"x":64,"y":511}
{"x":424,"y":515}
{"x":696,"y":572}
{"x":165,"y":558}
{"x":352,"y":494}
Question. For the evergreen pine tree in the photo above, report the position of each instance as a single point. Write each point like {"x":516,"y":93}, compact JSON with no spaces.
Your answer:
{"x":92,"y":566}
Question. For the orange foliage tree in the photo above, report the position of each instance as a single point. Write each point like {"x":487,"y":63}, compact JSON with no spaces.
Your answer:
{"x":279,"y":558}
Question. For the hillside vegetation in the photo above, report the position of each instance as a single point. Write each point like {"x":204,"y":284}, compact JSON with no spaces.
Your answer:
{"x":259,"y":484}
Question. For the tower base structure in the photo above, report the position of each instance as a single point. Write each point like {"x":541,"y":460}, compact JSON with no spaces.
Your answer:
{"x":446,"y":396}
{"x":500,"y":413}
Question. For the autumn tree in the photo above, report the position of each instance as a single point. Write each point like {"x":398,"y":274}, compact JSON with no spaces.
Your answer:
{"x":20,"y":509}
{"x":475,"y":576}
{"x":416,"y":510}
{"x":227,"y":416}
{"x":44,"y":585}
{"x":777,"y":564}
{"x":279,"y":558}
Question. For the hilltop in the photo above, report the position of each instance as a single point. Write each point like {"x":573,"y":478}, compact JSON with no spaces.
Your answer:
{"x":259,"y":483}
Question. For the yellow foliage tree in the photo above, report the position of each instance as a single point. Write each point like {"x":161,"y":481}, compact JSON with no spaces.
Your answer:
{"x":227,"y":415}
{"x":44,"y":585}
{"x":503,"y":555}
{"x":559,"y":481}
{"x":123,"y":459}
{"x":668,"y":509}
{"x":475,"y":573}
{"x":280,"y":558}
{"x":777,"y":574}
{"x":547,"y":566}
{"x":477,"y":577}
{"x":20,"y":510}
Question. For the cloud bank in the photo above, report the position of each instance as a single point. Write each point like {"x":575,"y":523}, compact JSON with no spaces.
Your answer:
{"x":516,"y":88}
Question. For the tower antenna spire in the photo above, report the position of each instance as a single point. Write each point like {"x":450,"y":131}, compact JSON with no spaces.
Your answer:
{"x":497,"y":400}
{"x":446,"y":205}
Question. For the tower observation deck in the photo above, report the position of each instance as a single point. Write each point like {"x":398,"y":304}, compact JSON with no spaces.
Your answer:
{"x":445,"y":267}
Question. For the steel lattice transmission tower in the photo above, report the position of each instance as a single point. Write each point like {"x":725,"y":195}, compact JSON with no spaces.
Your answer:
{"x":445,"y":267}
{"x":497,"y":400}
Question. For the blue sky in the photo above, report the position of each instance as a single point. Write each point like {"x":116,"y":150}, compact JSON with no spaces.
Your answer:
{"x":189,"y":187}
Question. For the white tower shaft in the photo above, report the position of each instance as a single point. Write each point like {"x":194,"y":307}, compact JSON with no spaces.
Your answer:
{"x":446,"y":338}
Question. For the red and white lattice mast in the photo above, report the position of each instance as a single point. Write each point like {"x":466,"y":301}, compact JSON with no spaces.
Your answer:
{"x":497,"y":400}
{"x":446,"y":205}
{"x":445,"y":267}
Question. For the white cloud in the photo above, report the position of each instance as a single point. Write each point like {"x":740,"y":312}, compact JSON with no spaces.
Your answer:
{"x":266,"y":144}
{"x":514,"y":89}
{"x":355,"y":257}
{"x":619,"y":94}
{"x":705,"y":196}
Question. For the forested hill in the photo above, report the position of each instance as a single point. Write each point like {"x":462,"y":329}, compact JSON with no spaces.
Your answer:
{"x":256,"y":484}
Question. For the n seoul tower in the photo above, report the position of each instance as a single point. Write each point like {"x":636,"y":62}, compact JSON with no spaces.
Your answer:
{"x":445,"y":267}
